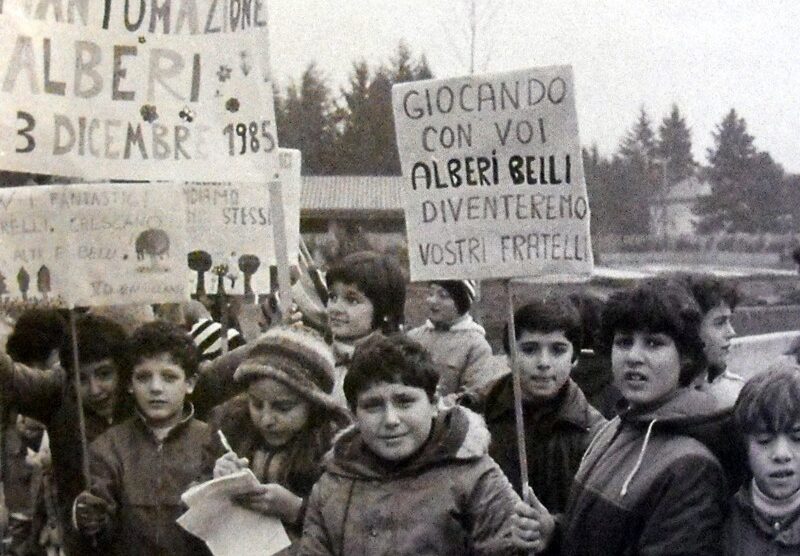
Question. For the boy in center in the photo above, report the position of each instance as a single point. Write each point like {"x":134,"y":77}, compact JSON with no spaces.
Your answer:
{"x":559,"y":421}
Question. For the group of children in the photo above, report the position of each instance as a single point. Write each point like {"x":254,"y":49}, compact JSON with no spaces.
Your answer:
{"x":363,"y":442}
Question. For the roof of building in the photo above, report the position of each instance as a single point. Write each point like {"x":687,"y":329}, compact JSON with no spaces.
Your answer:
{"x":689,"y":189}
{"x":373,"y":193}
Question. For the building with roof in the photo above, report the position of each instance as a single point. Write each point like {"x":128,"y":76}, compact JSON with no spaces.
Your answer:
{"x":331,"y":205}
{"x":672,"y":215}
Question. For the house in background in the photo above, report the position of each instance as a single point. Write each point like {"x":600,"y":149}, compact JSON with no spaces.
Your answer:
{"x":335,"y":206}
{"x":672,"y":215}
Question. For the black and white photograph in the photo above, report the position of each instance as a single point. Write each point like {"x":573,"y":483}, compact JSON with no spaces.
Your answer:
{"x":399,"y":278}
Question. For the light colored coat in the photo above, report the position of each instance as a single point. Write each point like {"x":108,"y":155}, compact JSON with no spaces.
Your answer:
{"x":451,"y":499}
{"x":462,"y":353}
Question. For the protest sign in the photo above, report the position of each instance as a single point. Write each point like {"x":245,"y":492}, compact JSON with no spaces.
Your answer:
{"x":494,"y":184}
{"x":140,"y":90}
{"x":32,"y":263}
{"x":230,"y":224}
{"x":124,"y":243}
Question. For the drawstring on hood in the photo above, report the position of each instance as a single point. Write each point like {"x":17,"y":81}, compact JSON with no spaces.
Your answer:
{"x":639,"y":460}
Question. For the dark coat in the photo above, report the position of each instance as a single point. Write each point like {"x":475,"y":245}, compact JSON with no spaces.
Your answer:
{"x":748,"y":532}
{"x":451,"y":498}
{"x":141,"y":479}
{"x":48,"y":396}
{"x":647,"y":485}
{"x":557,"y":434}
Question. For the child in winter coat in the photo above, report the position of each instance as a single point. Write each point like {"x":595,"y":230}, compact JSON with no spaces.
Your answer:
{"x":559,"y":422}
{"x":765,"y":513}
{"x":648,"y":484}
{"x":283,"y":424}
{"x":455,"y":341}
{"x":50,"y":397}
{"x":408,"y":478}
{"x":366,"y":293}
{"x":141,"y":467}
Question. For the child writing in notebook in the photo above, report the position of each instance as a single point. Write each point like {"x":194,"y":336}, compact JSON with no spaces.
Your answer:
{"x":282,"y":425}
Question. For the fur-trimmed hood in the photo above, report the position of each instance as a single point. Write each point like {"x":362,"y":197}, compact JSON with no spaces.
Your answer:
{"x":458,"y":434}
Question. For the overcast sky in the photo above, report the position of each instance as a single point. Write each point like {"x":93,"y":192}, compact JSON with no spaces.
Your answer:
{"x":706,"y":56}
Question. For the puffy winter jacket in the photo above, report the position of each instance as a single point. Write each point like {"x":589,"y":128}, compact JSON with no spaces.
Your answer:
{"x":648,"y":487}
{"x":462,"y":353}
{"x":451,"y":499}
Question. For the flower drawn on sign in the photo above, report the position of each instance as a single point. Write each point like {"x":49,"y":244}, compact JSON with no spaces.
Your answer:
{"x":224,"y":73}
{"x":186,"y":114}
{"x":149,"y":113}
{"x":232,"y":105}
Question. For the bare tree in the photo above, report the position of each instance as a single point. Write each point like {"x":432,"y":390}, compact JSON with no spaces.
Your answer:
{"x":469,"y":31}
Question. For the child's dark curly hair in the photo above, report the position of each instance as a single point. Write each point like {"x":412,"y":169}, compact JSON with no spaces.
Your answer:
{"x":395,"y":359}
{"x":158,"y":337}
{"x":657,"y":306}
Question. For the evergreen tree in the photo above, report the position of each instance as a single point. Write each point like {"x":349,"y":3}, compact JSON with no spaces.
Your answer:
{"x":747,"y":185}
{"x":632,"y":174}
{"x":306,"y":121}
{"x":674,"y":147}
{"x":640,"y":141}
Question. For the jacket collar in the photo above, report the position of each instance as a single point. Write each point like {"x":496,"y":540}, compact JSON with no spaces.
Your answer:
{"x":785,"y":532}
{"x":458,"y":434}
{"x":463,"y":323}
{"x":188,"y":415}
{"x":571,"y":404}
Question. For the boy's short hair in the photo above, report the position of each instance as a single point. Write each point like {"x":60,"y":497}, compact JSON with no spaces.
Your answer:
{"x":770,"y":401}
{"x":710,"y":291}
{"x":98,"y":338}
{"x":380,"y":279}
{"x":658,"y":306}
{"x":154,"y":338}
{"x":36,"y":334}
{"x":549,"y":315}
{"x":396,"y":359}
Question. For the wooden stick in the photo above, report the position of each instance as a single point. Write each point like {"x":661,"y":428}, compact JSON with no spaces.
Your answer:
{"x":281,"y":246}
{"x":87,"y":478}
{"x":517,"y":384}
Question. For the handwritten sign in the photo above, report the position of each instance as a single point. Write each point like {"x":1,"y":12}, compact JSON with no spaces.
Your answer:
{"x":32,"y":252}
{"x":494,"y":184}
{"x":230,"y":224}
{"x":124,"y":243}
{"x":137,"y":90}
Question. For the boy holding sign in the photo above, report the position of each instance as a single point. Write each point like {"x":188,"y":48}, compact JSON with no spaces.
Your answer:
{"x":559,"y":421}
{"x":51,"y":398}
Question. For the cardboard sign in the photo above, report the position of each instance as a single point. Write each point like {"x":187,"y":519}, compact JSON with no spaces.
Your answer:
{"x":494,"y":184}
{"x":32,"y":250}
{"x":230,"y":224}
{"x":139,"y":90}
{"x":123,"y":242}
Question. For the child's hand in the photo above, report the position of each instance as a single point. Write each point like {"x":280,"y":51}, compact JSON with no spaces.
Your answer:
{"x":532,"y":525}
{"x":91,"y":513}
{"x":274,"y":500}
{"x":228,"y":464}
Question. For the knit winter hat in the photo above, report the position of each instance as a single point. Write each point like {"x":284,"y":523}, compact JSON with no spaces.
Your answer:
{"x":462,"y":292}
{"x":296,"y":356}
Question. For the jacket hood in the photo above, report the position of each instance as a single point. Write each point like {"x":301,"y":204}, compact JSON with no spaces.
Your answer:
{"x":458,"y":434}
{"x":464,"y":324}
{"x":571,"y":405}
{"x":694,"y":413}
{"x":787,"y":531}
{"x":685,"y":411}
